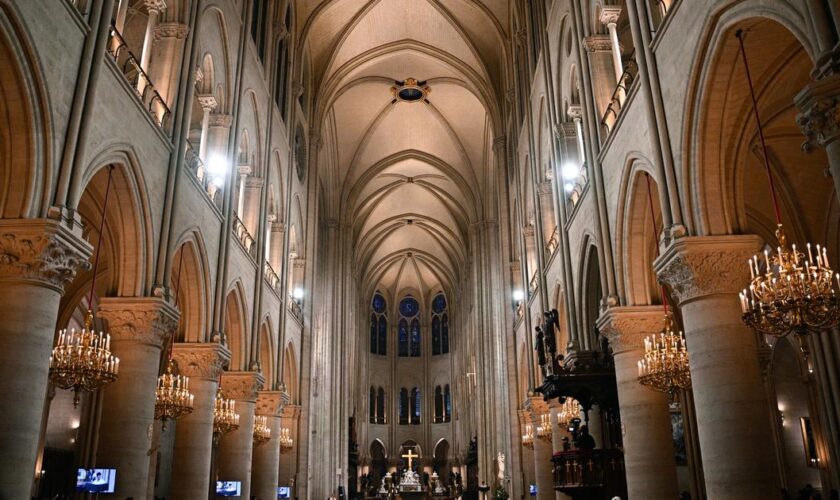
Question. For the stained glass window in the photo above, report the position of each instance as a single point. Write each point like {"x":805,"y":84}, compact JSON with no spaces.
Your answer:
{"x":408,"y":334}
{"x":402,"y":333}
{"x":402,"y":409}
{"x":447,"y":404}
{"x":416,"y":403}
{"x":378,"y":325}
{"x":415,"y":337}
{"x":440,"y":325}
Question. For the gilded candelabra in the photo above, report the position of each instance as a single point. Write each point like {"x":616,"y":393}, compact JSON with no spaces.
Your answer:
{"x":544,"y":431}
{"x":173,"y":398}
{"x":793,"y":293}
{"x":286,"y":441}
{"x":225,"y":418}
{"x":569,"y":412}
{"x":262,"y":433}
{"x":528,"y":437}
{"x":664,"y":366}
{"x":82,"y":360}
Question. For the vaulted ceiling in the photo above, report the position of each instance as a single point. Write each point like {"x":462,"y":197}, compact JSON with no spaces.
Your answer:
{"x":408,"y":177}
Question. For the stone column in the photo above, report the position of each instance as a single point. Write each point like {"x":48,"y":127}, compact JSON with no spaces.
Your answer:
{"x":155,"y":7}
{"x":599,"y":51}
{"x":557,"y":438}
{"x":202,"y":363}
{"x":267,"y":456}
{"x":819,"y":120}
{"x":252,"y":187}
{"x":546,"y":193}
{"x":217,"y":144}
{"x":139,"y":326}
{"x":543,"y":450}
{"x":244,"y":171}
{"x":169,"y":42}
{"x":648,"y":447}
{"x":236,"y":449}
{"x":275,"y":254}
{"x":609,"y":18}
{"x":38,"y":258}
{"x":208,"y":104}
{"x":733,"y":419}
{"x":288,"y":463}
{"x":528,"y":455}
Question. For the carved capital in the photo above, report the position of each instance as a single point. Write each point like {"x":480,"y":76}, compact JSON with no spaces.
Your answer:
{"x":207,"y":101}
{"x":220,"y":120}
{"x":544,"y":188}
{"x":627,"y":327}
{"x":575,"y":112}
{"x":155,"y":5}
{"x":597,"y":43}
{"x":271,"y":403}
{"x":528,"y":231}
{"x":566,"y":129}
{"x":819,"y":116}
{"x":698,"y":266}
{"x":536,"y":406}
{"x":291,"y":411}
{"x":145,"y":320}
{"x":171,"y":30}
{"x":203,"y":361}
{"x":278,"y":227}
{"x":242,"y":386}
{"x":43,"y":251}
{"x":610,"y":14}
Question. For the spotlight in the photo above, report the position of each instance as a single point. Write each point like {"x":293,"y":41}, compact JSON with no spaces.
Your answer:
{"x":570,"y":171}
{"x":518,"y":295}
{"x":297,"y":293}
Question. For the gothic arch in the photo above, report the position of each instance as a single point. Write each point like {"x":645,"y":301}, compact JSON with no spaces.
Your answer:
{"x":236,"y":327}
{"x":267,"y":351}
{"x":189,"y":283}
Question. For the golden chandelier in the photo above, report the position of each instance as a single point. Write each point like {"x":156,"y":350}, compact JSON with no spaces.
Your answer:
{"x":225,"y":418}
{"x":528,"y":437}
{"x":286,"y":441}
{"x":82,"y":360}
{"x":792,"y":294}
{"x":664,"y":366}
{"x":262,"y":433}
{"x":173,"y":398}
{"x":544,"y":431}
{"x":569,"y":412}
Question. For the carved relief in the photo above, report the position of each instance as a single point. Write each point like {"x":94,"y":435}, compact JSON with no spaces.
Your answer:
{"x":171,"y":30}
{"x":627,"y":327}
{"x":147,"y":320}
{"x":697,"y":266}
{"x":220,"y":120}
{"x":597,"y":43}
{"x":242,"y":386}
{"x":820,"y":122}
{"x":42,"y":251}
{"x":201,"y":361}
{"x":270,"y":403}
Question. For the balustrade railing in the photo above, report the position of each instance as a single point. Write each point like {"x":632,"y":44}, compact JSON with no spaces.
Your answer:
{"x":199,"y":171}
{"x":553,"y":241}
{"x":595,"y":471}
{"x":271,"y":277}
{"x":619,"y":95}
{"x":533,"y":284}
{"x":294,"y":308}
{"x":143,"y":87}
{"x":244,"y":236}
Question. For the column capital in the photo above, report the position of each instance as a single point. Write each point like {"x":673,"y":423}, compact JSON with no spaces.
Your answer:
{"x":207,"y":102}
{"x":819,"y":112}
{"x":155,"y":5}
{"x":203,"y":361}
{"x":42,"y":250}
{"x":544,"y":188}
{"x":499,"y":144}
{"x":575,"y":112}
{"x":528,"y":231}
{"x":271,"y":403}
{"x":242,"y":386}
{"x":597,"y":43}
{"x":566,"y":129}
{"x":291,"y":411}
{"x":145,"y":320}
{"x":697,"y":266}
{"x":627,"y":327}
{"x":278,"y":227}
{"x":171,"y":30}
{"x":220,"y":120}
{"x":610,"y":14}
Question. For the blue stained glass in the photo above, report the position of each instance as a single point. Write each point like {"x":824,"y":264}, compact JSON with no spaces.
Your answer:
{"x":444,"y":336}
{"x":379,"y":303}
{"x":383,"y":335}
{"x":409,"y":307}
{"x":436,"y":335}
{"x":448,"y":402}
{"x":439,"y":303}
{"x":416,"y":403}
{"x":403,"y":337}
{"x":415,"y":337}
{"x":373,"y":349}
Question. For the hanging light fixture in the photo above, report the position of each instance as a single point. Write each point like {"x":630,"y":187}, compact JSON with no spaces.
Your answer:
{"x":664,"y":366}
{"x":544,"y":431}
{"x":225,"y":418}
{"x":528,"y":437}
{"x":82,"y":360}
{"x":173,"y":398}
{"x":793,"y":292}
{"x":262,"y":433}
{"x":286,"y":441}
{"x":569,"y":412}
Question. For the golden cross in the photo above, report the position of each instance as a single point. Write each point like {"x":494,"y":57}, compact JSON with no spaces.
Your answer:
{"x":410,"y":455}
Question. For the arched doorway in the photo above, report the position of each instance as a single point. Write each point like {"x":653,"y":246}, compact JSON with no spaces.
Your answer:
{"x":378,"y":463}
{"x":440,"y":462}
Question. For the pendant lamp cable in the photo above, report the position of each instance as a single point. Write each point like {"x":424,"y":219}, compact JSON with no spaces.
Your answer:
{"x":770,"y":181}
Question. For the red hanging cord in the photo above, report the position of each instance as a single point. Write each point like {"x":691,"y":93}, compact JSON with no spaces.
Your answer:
{"x":101,"y":232}
{"x":655,"y":238}
{"x":740,"y":36}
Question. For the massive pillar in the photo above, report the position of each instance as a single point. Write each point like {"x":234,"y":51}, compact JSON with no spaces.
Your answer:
{"x":139,"y":326}
{"x":736,"y":441}
{"x":202,"y":363}
{"x":609,"y":18}
{"x":38,"y":258}
{"x":236,"y":449}
{"x":648,"y":447}
{"x":267,"y":455}
{"x":543,"y":450}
